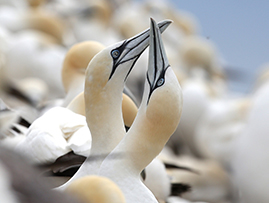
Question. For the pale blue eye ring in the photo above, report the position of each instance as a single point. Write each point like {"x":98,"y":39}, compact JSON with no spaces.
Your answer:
{"x":160,"y":82}
{"x":115,"y":53}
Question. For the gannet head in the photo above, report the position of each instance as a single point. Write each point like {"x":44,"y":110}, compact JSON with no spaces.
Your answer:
{"x":113,"y":64}
{"x":160,"y":110}
{"x":162,"y":100}
{"x":96,"y":189}
{"x":77,"y":60}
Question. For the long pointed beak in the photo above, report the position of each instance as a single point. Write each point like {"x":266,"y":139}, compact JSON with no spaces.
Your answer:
{"x":158,"y":62}
{"x":131,"y":49}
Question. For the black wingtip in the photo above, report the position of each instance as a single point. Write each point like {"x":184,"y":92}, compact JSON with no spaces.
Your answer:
{"x":177,"y":189}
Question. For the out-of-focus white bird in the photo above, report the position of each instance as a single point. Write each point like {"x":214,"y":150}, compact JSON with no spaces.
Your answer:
{"x":157,"y":180}
{"x":199,"y":61}
{"x":92,"y":22}
{"x":250,"y":161}
{"x":220,"y":127}
{"x":54,"y":134}
{"x":196,"y":179}
{"x":20,"y":182}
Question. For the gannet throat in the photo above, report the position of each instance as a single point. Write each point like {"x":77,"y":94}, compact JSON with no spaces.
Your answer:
{"x":131,"y":49}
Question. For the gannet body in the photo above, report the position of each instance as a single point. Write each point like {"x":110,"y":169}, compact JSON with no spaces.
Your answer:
{"x":199,"y":60}
{"x":157,"y":119}
{"x":52,"y":135}
{"x":220,"y":127}
{"x":46,"y":64}
{"x":104,"y":83}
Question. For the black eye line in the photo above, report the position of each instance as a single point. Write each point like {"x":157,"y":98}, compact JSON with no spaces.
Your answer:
{"x":153,"y":86}
{"x":131,"y":67}
{"x":120,"y":49}
{"x":156,"y":86}
{"x":130,"y":49}
{"x":155,"y":67}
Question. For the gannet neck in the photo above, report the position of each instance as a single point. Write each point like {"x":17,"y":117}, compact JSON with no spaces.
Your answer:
{"x":154,"y":124}
{"x":77,"y":105}
{"x":129,"y":109}
{"x":74,"y":66}
{"x":103,"y":105}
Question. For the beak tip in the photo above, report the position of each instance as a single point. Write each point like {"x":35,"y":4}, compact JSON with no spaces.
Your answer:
{"x":165,"y":23}
{"x":152,"y":21}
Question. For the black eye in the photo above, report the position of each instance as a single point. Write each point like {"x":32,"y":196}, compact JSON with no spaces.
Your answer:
{"x":160,"y":82}
{"x":115,"y":53}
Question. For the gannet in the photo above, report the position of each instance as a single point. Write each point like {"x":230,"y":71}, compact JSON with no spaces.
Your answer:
{"x":75,"y":63}
{"x":96,"y":189}
{"x":219,"y":128}
{"x":157,"y":118}
{"x":199,"y":60}
{"x":104,"y":83}
{"x":51,"y":136}
{"x":197,"y":179}
{"x":250,"y":159}
{"x":35,"y":58}
{"x":92,"y":21}
{"x":20,"y":182}
{"x":157,"y":180}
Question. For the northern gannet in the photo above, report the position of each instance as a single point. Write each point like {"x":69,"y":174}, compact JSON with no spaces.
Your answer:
{"x":20,"y":182}
{"x":104,"y":84}
{"x":157,"y":180}
{"x":74,"y":66}
{"x":91,"y":20}
{"x":199,"y":61}
{"x":250,"y":158}
{"x":219,"y":128}
{"x":157,"y":118}
{"x":35,"y":58}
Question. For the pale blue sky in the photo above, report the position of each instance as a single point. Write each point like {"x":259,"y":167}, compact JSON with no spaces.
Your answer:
{"x":240,"y":30}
